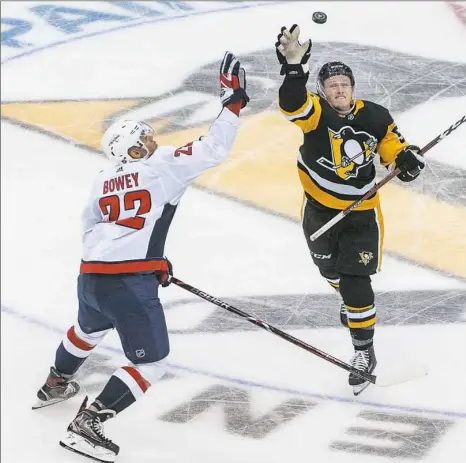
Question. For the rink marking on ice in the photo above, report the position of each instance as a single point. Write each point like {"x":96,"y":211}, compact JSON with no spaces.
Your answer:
{"x":448,"y":413}
{"x":131,"y":24}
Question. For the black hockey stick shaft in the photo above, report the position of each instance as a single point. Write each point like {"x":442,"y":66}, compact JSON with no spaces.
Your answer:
{"x":272,"y":329}
{"x":383,"y":182}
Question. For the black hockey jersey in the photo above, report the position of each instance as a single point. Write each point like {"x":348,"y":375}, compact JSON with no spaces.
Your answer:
{"x":336,"y":159}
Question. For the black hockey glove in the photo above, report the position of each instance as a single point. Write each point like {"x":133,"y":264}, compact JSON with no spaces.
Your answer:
{"x":410,"y":163}
{"x":233,"y":84}
{"x":291,"y":54}
{"x":164,"y":276}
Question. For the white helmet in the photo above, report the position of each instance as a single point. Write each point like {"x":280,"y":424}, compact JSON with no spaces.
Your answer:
{"x":123,"y":135}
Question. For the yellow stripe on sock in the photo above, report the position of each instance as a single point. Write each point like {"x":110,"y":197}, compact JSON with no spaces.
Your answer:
{"x":359,"y":309}
{"x":365,"y":324}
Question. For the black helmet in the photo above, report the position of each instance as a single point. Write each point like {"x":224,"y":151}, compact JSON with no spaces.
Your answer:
{"x":334,"y":68}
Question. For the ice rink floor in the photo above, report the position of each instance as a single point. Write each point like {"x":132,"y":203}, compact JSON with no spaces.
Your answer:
{"x":234,"y":393}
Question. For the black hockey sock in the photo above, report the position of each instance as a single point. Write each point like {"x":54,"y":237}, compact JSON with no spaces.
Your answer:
{"x":362,"y":338}
{"x":358,"y":297}
{"x":124,"y":387}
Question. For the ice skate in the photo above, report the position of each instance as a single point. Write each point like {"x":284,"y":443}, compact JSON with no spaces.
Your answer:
{"x":56,"y":389}
{"x":363,"y":360}
{"x":85,"y":435}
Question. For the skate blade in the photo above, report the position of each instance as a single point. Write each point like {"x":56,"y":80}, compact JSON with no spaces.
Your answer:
{"x":46,"y":403}
{"x":360,"y":387}
{"x":78,"y":444}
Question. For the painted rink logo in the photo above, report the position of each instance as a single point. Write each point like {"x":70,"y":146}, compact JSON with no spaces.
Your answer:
{"x":185,"y":111}
{"x":23,"y":22}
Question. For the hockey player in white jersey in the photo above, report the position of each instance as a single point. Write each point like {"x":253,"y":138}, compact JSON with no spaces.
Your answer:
{"x":125,"y":224}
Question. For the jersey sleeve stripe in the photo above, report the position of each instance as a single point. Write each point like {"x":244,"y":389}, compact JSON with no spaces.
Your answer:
{"x":306,"y":107}
{"x":310,"y":121}
{"x":306,"y":117}
{"x":390,"y":146}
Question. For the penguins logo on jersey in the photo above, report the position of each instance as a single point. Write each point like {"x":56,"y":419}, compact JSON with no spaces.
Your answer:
{"x":366,"y":257}
{"x":350,"y":151}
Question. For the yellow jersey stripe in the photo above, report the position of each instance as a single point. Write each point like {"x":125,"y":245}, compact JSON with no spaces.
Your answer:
{"x":328,"y":200}
{"x":307,"y":116}
{"x":390,"y":146}
{"x":311,"y":123}
{"x":380,"y":224}
{"x":300,"y":110}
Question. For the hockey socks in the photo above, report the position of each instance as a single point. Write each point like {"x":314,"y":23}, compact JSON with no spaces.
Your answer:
{"x":123,"y":388}
{"x":358,"y":297}
{"x":74,"y":349}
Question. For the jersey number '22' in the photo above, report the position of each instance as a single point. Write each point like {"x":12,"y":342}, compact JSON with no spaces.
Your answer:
{"x":110,"y":205}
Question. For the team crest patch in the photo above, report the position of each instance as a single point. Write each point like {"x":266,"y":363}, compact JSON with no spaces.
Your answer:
{"x":366,"y":257}
{"x":351,"y":151}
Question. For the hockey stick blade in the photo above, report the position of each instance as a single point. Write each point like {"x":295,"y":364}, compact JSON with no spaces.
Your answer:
{"x":402,"y":375}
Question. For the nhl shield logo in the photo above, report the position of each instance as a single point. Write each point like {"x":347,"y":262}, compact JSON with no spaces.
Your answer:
{"x":140,"y":353}
{"x":366,"y":257}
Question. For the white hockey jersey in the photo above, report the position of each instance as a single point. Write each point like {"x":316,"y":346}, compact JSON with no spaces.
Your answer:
{"x":126,"y":220}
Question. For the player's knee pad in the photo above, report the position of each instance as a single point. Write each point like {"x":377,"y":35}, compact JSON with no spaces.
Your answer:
{"x":137,"y":378}
{"x":80,"y":344}
{"x":356,"y":290}
{"x":91,"y":338}
{"x":151,"y":372}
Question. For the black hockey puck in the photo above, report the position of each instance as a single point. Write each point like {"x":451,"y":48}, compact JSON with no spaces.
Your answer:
{"x":319,"y":17}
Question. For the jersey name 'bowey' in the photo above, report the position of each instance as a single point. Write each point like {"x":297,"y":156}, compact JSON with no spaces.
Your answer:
{"x":335,"y":162}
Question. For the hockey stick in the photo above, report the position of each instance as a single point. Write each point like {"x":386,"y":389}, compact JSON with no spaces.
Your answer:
{"x":409,"y":373}
{"x":384,"y":181}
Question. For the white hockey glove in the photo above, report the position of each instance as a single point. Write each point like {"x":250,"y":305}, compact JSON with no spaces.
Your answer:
{"x":291,"y":54}
{"x":232,"y":84}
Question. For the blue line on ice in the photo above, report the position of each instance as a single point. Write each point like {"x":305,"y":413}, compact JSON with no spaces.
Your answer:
{"x":125,"y":26}
{"x":242,"y":382}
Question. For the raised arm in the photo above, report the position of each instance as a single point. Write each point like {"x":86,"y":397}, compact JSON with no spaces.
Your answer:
{"x":186,"y":163}
{"x":296,"y":103}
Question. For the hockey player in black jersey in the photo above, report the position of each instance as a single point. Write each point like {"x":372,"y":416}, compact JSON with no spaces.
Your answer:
{"x":342,"y":136}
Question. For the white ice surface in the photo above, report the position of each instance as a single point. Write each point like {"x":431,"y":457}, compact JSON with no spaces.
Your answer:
{"x":44,"y":184}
